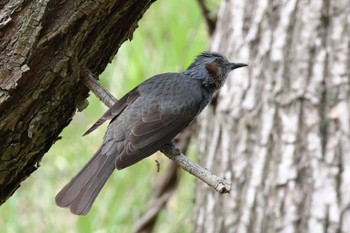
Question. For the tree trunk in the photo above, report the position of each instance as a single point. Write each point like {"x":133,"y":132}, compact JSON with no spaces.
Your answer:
{"x":44,"y":48}
{"x":280,"y":130}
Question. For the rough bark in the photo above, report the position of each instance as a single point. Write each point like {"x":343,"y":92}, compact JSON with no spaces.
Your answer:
{"x":44,"y":48}
{"x":280,"y":131}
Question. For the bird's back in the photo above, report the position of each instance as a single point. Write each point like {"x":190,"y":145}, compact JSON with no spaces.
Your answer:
{"x":172,"y":99}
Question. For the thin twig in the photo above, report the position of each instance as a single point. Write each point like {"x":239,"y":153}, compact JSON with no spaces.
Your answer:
{"x":165,"y":187}
{"x":211,"y":21}
{"x":90,"y":82}
{"x":219,"y":184}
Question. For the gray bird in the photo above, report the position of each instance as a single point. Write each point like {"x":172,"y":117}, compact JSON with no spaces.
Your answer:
{"x":143,"y":121}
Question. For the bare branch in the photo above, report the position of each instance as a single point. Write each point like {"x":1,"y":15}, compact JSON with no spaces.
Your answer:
{"x":211,"y":21}
{"x":219,"y":184}
{"x":90,"y":82}
{"x":165,"y":187}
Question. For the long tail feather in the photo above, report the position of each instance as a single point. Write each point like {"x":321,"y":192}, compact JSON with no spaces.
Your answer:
{"x":80,"y":193}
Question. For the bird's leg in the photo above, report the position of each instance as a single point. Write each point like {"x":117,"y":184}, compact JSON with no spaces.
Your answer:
{"x":219,"y":184}
{"x":170,"y":148}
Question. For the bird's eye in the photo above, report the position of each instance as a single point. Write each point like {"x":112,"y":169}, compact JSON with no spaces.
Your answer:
{"x":219,"y":61}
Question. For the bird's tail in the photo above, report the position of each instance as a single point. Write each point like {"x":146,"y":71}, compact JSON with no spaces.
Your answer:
{"x":80,"y":193}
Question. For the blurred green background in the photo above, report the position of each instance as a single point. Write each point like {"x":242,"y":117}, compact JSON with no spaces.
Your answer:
{"x":179,"y":35}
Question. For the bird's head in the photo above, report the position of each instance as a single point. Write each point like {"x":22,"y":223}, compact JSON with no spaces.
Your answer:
{"x":212,"y":69}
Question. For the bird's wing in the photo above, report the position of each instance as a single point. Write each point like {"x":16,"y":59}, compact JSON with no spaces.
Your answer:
{"x":153,"y":131}
{"x":116,"y":109}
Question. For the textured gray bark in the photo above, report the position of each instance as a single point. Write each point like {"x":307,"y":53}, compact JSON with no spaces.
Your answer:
{"x":281,"y":129}
{"x":44,"y":48}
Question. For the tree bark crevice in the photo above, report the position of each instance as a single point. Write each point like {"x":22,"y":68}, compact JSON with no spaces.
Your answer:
{"x":44,"y":48}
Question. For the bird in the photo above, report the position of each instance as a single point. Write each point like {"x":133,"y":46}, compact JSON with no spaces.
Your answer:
{"x":143,"y":121}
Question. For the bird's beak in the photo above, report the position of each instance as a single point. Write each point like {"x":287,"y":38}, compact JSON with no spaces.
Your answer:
{"x":237,"y":65}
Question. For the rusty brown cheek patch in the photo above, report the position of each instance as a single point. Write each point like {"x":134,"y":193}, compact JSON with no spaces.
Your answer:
{"x":212,"y":69}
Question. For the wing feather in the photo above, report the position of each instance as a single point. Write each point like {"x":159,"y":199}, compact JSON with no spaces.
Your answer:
{"x":152,"y":132}
{"x":116,"y":109}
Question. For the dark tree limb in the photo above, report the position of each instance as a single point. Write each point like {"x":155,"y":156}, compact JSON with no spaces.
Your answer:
{"x":164,"y":188}
{"x":44,"y":48}
{"x":209,"y":19}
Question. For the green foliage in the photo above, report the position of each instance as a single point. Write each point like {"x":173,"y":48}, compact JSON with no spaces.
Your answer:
{"x":171,"y":33}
